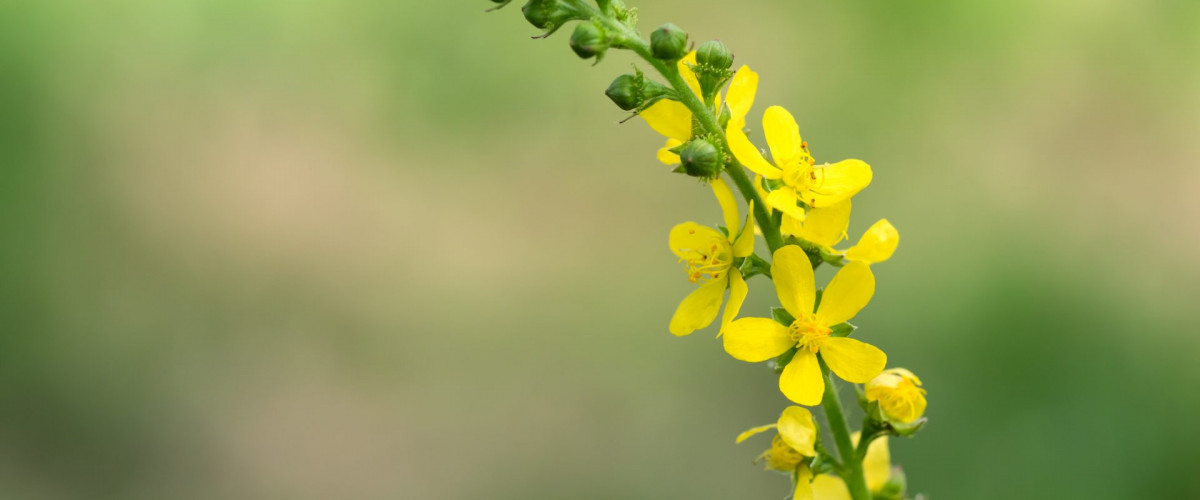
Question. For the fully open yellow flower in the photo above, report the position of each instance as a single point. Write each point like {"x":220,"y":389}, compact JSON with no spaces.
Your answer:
{"x":674,"y":121}
{"x":795,"y":439}
{"x":826,"y":227}
{"x":760,"y":339}
{"x":708,"y":255}
{"x":877,"y":467}
{"x":803,"y":181}
{"x":899,"y":394}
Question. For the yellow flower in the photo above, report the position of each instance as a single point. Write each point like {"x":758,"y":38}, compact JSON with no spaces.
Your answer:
{"x":795,"y":438}
{"x":899,"y":394}
{"x":760,"y":339}
{"x":708,"y":256}
{"x":803,"y":182}
{"x":674,"y":121}
{"x":826,"y":227}
{"x":877,"y":468}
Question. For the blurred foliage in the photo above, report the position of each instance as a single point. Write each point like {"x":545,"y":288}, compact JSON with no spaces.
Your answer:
{"x":381,"y":249}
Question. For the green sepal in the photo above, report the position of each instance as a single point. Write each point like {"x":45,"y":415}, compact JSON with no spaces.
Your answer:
{"x":724,"y":116}
{"x":843,"y":329}
{"x":894,"y":488}
{"x":824,"y":462}
{"x":831,"y":258}
{"x":909,"y":428}
{"x":754,"y":266}
{"x":782,"y":317}
{"x":782,"y":361}
{"x":877,"y":423}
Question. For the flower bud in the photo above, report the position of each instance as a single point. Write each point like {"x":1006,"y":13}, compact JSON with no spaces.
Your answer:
{"x":630,"y":92}
{"x":899,"y":394}
{"x":714,"y":54}
{"x":589,"y":40}
{"x":699,"y":158}
{"x":668,"y":42}
{"x":625,"y":91}
{"x":550,"y":15}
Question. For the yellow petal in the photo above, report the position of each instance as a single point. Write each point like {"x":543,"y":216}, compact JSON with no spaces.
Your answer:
{"x":794,"y":283}
{"x":740,"y":98}
{"x":666,"y":156}
{"x":699,"y":308}
{"x":853,"y":360}
{"x":801,"y":380}
{"x":754,"y":431}
{"x":830,"y":487}
{"x":783,"y":135}
{"x":744,"y":246}
{"x":691,"y":236}
{"x":747,"y":153}
{"x":756,"y":339}
{"x":737,"y":296}
{"x":790,"y":225}
{"x":826,"y":226}
{"x":876,"y":245}
{"x":669,"y":118}
{"x":728,"y":204}
{"x":685,"y":70}
{"x":877,"y":464}
{"x":784,"y":200}
{"x":837,"y":182}
{"x":848,"y":292}
{"x":797,"y":430}
{"x":804,"y":487}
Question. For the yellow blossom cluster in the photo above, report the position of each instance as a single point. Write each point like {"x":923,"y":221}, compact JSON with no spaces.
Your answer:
{"x":801,"y":210}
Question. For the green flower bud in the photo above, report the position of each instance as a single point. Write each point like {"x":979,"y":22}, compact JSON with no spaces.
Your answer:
{"x":699,"y":158}
{"x":668,"y":42}
{"x":625,"y":91}
{"x":714,"y":54}
{"x":550,"y":15}
{"x":589,"y":40}
{"x":630,"y":92}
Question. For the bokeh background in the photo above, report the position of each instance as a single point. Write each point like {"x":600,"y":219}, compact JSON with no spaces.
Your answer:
{"x":372,"y":249}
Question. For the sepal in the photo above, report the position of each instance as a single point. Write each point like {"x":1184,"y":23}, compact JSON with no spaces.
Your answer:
{"x":755,"y":265}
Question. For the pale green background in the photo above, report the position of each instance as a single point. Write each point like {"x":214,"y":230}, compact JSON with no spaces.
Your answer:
{"x":268,"y":249}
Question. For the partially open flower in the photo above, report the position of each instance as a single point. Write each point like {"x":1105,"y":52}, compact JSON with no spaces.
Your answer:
{"x":899,"y":394}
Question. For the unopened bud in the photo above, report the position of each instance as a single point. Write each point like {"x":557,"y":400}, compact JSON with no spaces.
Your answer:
{"x":714,"y":54}
{"x":630,"y":92}
{"x":699,"y":158}
{"x":589,"y":40}
{"x":550,"y":15}
{"x":668,"y":42}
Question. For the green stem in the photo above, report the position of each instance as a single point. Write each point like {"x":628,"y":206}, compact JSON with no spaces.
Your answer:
{"x":856,"y":481}
{"x":705,"y":116}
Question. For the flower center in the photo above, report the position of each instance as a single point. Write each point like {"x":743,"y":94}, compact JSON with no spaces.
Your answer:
{"x":708,"y":263}
{"x":809,"y":333}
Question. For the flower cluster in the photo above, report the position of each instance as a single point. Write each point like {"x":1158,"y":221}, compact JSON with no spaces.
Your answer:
{"x":801,"y":210}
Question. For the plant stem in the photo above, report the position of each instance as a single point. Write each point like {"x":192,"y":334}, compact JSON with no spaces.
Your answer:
{"x":705,"y":116}
{"x":856,"y":481}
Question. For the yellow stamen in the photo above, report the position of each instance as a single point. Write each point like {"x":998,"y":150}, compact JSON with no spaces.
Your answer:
{"x":809,"y":333}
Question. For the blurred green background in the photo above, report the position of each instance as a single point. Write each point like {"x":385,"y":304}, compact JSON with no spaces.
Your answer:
{"x":373,"y":249}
